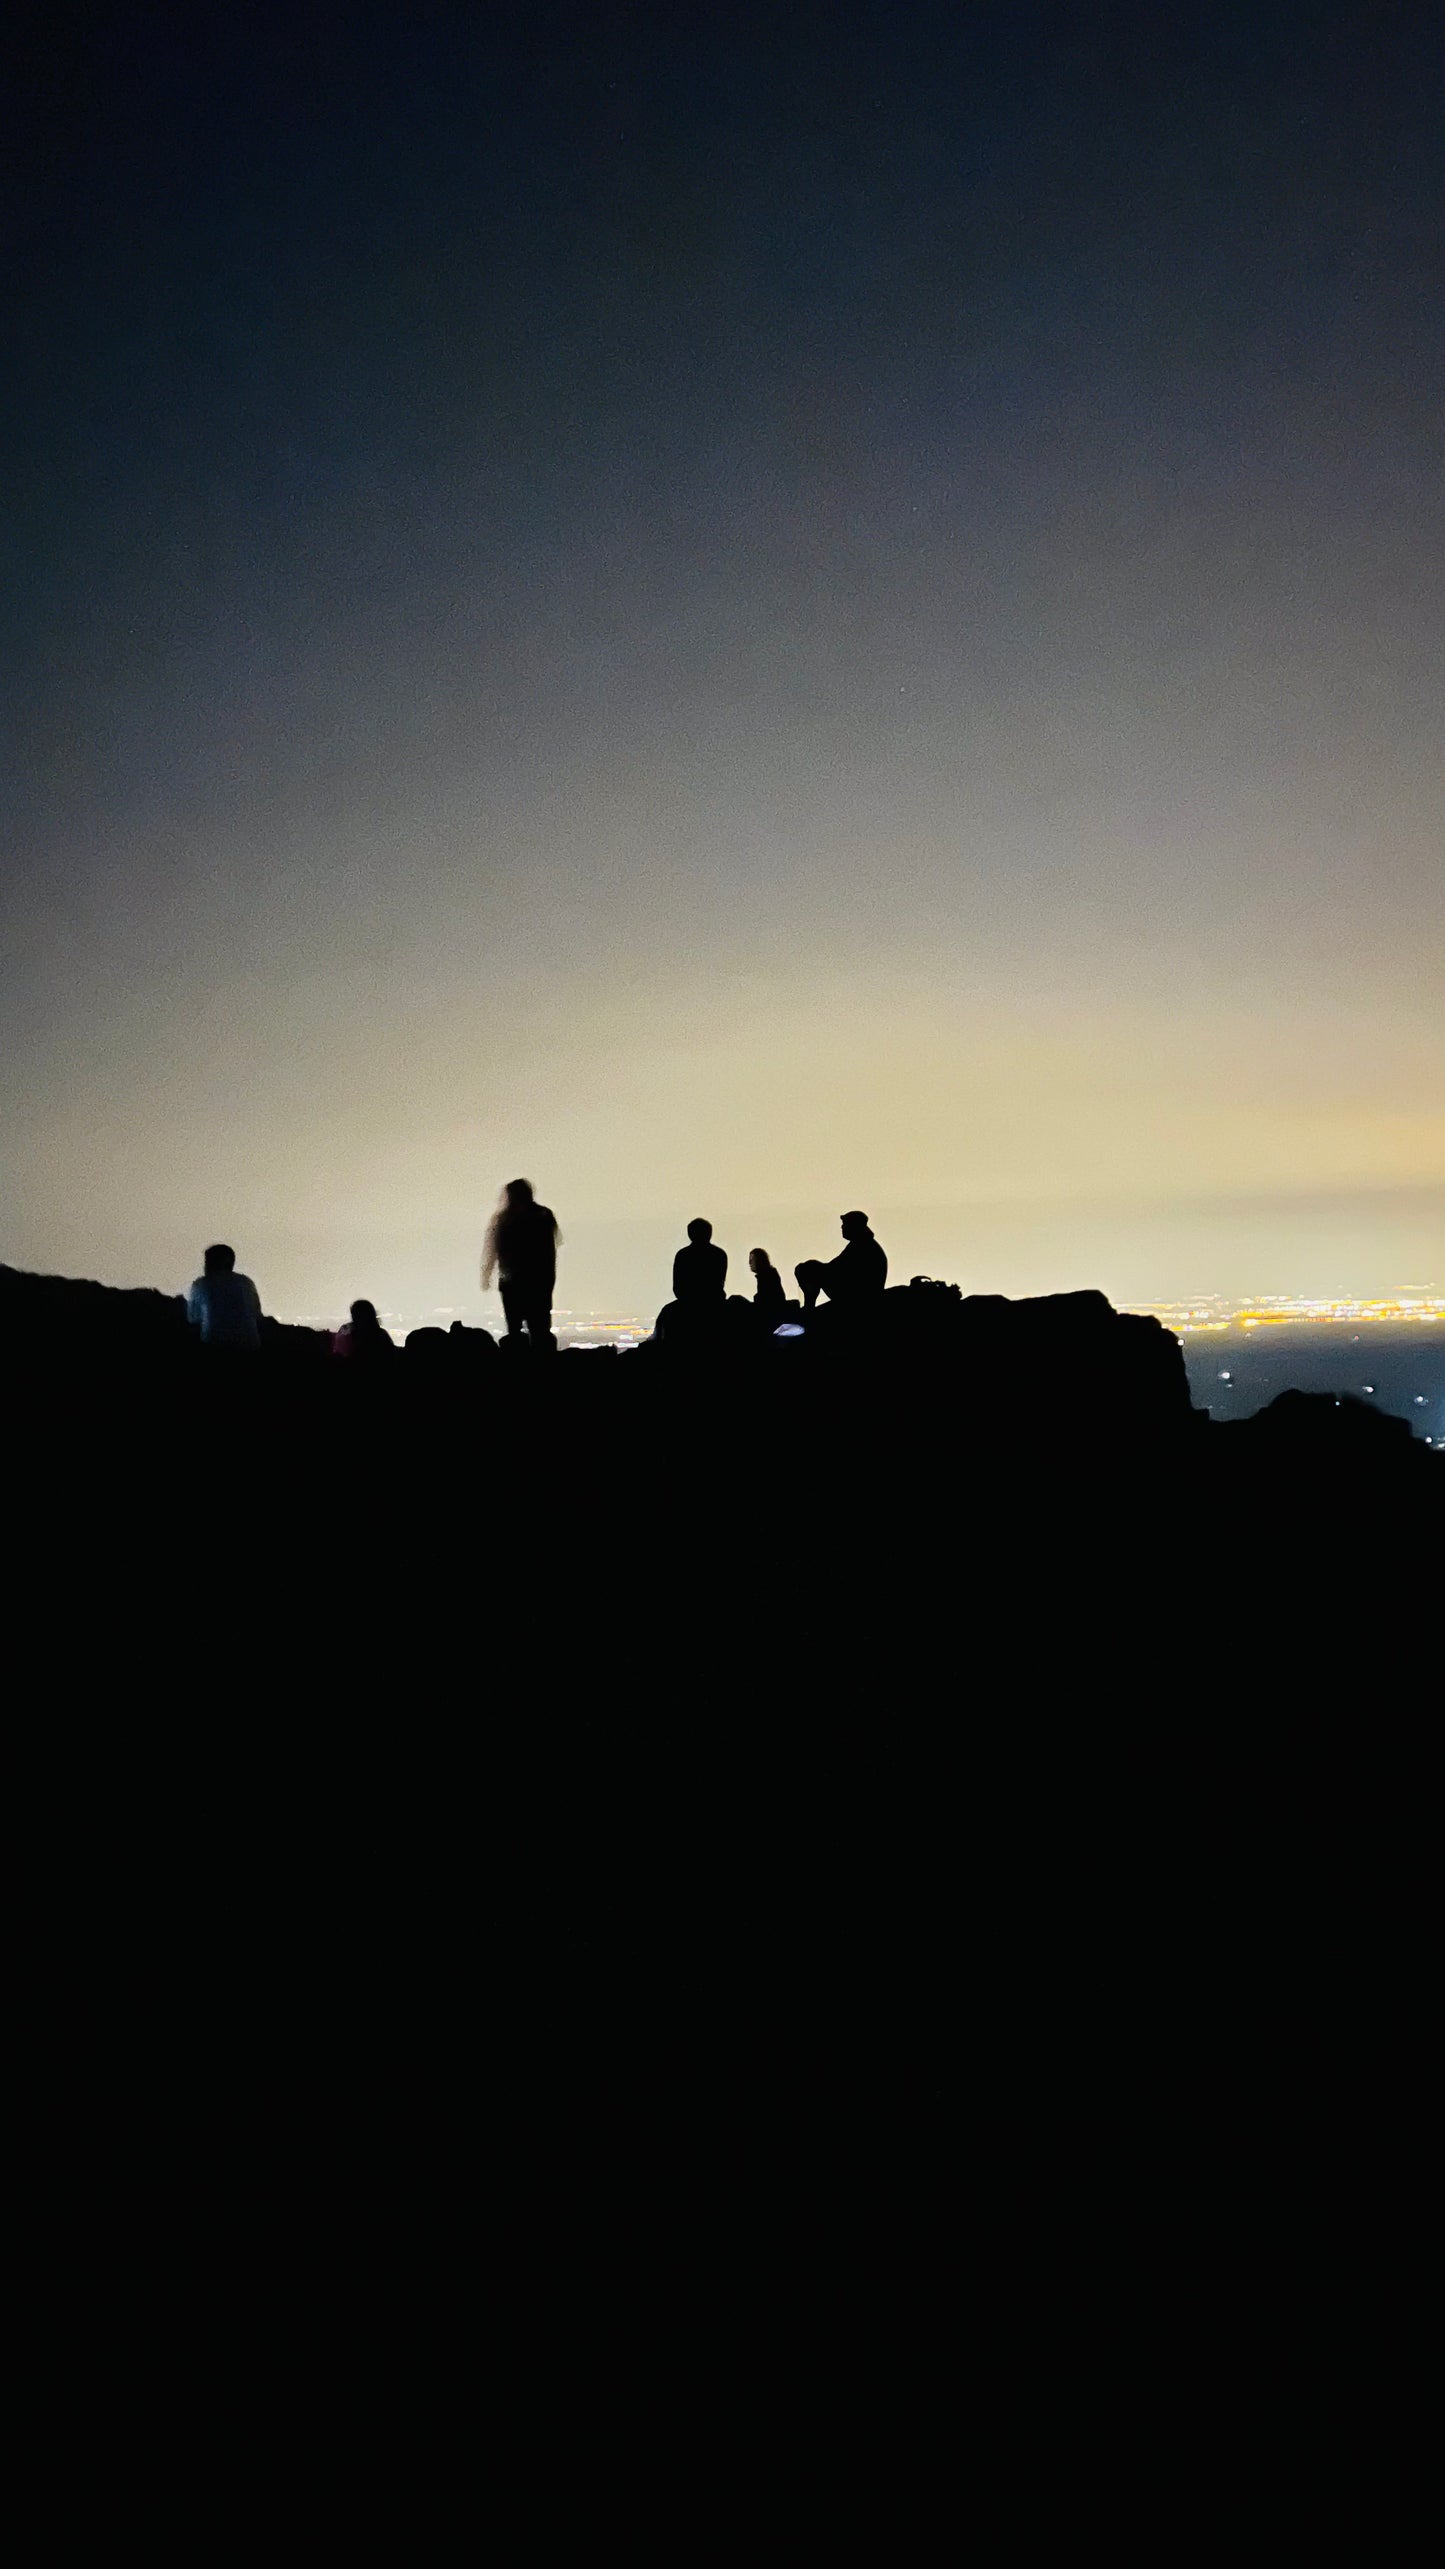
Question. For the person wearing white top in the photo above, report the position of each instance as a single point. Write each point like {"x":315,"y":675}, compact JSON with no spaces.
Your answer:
{"x":225,"y":1307}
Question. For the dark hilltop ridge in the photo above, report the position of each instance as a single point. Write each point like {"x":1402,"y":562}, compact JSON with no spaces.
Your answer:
{"x":1055,"y":1382}
{"x":957,"y":1622}
{"x":947,"y":1510}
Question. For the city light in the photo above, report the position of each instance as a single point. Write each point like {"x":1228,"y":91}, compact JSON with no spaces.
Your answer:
{"x":1211,"y":1312}
{"x":1206,"y":1315}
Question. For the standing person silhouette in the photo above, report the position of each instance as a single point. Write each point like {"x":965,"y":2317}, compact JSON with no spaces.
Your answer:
{"x":521,"y":1251}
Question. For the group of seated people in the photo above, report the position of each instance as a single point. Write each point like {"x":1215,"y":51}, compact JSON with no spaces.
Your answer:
{"x":700,"y":1273}
{"x":225,"y":1308}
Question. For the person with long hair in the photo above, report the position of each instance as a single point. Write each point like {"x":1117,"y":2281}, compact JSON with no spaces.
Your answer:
{"x":521,"y":1252}
{"x":362,"y":1338}
{"x":770,"y":1301}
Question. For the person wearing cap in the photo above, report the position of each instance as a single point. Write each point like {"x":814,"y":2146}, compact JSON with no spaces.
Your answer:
{"x":855,"y":1277}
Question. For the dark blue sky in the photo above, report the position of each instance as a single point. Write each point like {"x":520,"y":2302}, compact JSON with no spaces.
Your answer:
{"x":837,"y":604}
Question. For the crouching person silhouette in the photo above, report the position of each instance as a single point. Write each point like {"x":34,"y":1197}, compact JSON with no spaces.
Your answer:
{"x":521,"y":1252}
{"x":855,"y":1278}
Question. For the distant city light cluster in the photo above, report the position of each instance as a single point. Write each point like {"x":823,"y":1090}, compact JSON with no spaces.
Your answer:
{"x":1279,"y":1310}
{"x":1206,"y":1313}
{"x":598,"y":1329}
{"x":1355,"y":1347}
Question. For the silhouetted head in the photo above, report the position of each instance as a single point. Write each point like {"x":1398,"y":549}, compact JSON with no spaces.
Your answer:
{"x":699,"y":1231}
{"x":854,"y":1225}
{"x":363,"y":1315}
{"x":518,"y":1191}
{"x":758,"y":1262}
{"x":220,"y":1260}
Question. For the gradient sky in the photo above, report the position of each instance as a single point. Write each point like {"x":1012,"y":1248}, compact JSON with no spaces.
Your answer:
{"x":837,"y":606}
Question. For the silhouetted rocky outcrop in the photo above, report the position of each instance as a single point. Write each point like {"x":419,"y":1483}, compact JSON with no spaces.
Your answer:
{"x":1330,"y":1426}
{"x":1058,"y":1347}
{"x":72,"y":1318}
{"x":292,"y":1341}
{"x":470,"y":1346}
{"x":1005,"y":1364}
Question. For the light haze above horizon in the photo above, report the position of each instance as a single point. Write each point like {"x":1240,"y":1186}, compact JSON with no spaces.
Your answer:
{"x":735,"y":619}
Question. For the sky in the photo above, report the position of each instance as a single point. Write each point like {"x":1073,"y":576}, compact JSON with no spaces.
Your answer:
{"x":740,"y":612}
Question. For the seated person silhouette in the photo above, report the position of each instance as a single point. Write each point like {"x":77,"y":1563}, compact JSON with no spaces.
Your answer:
{"x":770,"y":1302}
{"x":700,"y":1271}
{"x":225,"y":1307}
{"x":699,"y":1305}
{"x":852,"y":1280}
{"x":362,"y":1338}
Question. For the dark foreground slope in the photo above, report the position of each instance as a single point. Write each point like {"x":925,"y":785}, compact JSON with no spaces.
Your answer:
{"x":970,"y":1501}
{"x":833,"y":1853}
{"x":838,"y":1672}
